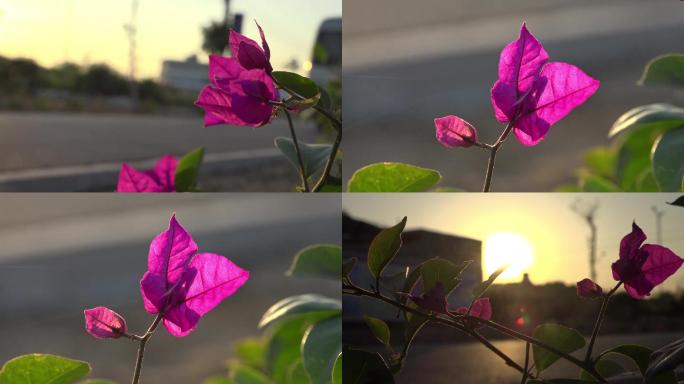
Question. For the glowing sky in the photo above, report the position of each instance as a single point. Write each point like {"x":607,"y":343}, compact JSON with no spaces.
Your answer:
{"x":557,"y":234}
{"x":90,"y":31}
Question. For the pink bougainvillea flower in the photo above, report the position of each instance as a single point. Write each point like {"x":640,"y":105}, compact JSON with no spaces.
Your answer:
{"x":433,"y":300}
{"x":452,"y":131}
{"x":237,"y":96}
{"x":533,"y":94}
{"x":161,"y":178}
{"x":587,"y":289}
{"x":643,"y":267}
{"x":183,"y":285}
{"x":248,"y":52}
{"x":104,"y":323}
{"x":481,"y":308}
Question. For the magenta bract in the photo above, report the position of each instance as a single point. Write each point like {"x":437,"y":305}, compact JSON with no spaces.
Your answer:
{"x":161,"y":178}
{"x":104,"y":323}
{"x":433,"y":300}
{"x":248,"y":53}
{"x":452,"y":131}
{"x":643,"y":267}
{"x":241,"y":90}
{"x":534,"y":94}
{"x":183,"y":285}
{"x":481,"y":308}
{"x":587,"y":289}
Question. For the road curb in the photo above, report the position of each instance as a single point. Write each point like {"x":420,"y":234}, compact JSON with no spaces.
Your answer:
{"x":247,"y":167}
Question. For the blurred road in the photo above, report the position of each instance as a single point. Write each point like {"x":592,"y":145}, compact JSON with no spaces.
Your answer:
{"x":38,"y":140}
{"x":69,"y":252}
{"x":474,"y":364}
{"x":433,"y":58}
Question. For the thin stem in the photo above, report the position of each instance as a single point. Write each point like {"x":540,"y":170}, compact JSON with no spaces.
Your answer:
{"x":337,"y":124}
{"x":358,"y":291}
{"x":302,"y":170}
{"x":492,"y":156}
{"x":331,"y":160}
{"x":407,"y":346}
{"x":497,"y":351}
{"x":599,"y":321}
{"x":141,"y":348}
{"x":527,"y":364}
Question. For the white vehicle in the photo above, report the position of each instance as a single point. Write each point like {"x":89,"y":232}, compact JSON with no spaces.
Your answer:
{"x":326,"y":61}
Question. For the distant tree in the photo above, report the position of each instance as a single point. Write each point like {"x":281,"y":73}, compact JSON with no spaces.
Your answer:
{"x":100,"y":79}
{"x":215,"y":37}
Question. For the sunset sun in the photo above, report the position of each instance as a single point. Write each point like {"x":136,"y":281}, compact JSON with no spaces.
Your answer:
{"x":507,"y":248}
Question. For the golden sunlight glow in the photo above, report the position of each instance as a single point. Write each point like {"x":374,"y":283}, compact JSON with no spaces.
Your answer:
{"x":507,"y":248}
{"x":307,"y":65}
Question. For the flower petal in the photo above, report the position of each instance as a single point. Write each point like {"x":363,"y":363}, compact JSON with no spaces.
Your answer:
{"x":217,"y":106}
{"x":452,"y":131}
{"x":660,"y":264}
{"x":482,"y":308}
{"x":264,"y":44}
{"x":103,"y":323}
{"x":560,"y":89}
{"x":132,"y":180}
{"x":250,"y":98}
{"x":248,"y":53}
{"x":164,"y":173}
{"x":520,"y":63}
{"x":587,"y":289}
{"x":223,"y":68}
{"x":209,"y":279}
{"x":630,"y":244}
{"x":434,"y":300}
{"x":168,"y":258}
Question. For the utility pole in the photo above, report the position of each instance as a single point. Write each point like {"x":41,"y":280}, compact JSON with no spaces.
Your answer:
{"x":588,"y":213}
{"x":659,"y":223}
{"x":131,"y":30}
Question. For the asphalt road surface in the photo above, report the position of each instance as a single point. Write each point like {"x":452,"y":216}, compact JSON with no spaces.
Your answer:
{"x":435,"y":58}
{"x":41,"y":140}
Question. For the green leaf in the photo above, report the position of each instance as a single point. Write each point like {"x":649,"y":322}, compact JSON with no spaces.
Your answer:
{"x":296,"y":374}
{"x":668,"y":160}
{"x":379,"y":329}
{"x":605,"y":367}
{"x":661,"y":364}
{"x":43,"y":369}
{"x":298,"y":85}
{"x":242,"y":374}
{"x":214,"y":380}
{"x":300,"y":304}
{"x":100,"y":381}
{"x":393,"y":177}
{"x":285,"y":345}
{"x":321,"y":260}
{"x":348,"y":266}
{"x":320,"y":347}
{"x":337,"y":371}
{"x":314,"y":156}
{"x":251,"y":352}
{"x":384,"y":247}
{"x":564,"y":339}
{"x":648,"y":116}
{"x":187,"y":170}
{"x":664,"y":70}
{"x":593,"y":183}
{"x":441,"y":270}
{"x":361,"y":367}
{"x":481,"y":288}
{"x":601,"y":161}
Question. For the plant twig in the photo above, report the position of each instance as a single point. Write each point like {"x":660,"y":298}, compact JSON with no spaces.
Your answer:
{"x":141,"y":348}
{"x":599,"y":321}
{"x":526,"y":373}
{"x":302,"y":170}
{"x":492,"y":156}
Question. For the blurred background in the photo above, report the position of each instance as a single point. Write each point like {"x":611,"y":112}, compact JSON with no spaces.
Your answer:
{"x":434,"y":58}
{"x":63,"y":253}
{"x":117,"y":80}
{"x":549,"y":241}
